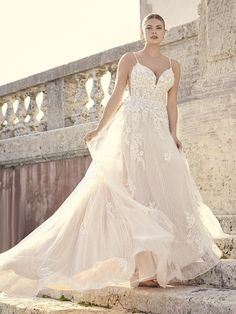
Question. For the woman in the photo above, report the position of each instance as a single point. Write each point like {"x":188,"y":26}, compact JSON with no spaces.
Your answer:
{"x":161,"y":68}
{"x":137,"y":216}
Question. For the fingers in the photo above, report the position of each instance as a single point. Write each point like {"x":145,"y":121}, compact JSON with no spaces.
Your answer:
{"x":180,"y":145}
{"x":86,"y":138}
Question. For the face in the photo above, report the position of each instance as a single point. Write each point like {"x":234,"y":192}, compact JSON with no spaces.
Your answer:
{"x":153,"y":31}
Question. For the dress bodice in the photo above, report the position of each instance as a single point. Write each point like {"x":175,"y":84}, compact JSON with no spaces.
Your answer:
{"x":148,"y":95}
{"x":145,"y":85}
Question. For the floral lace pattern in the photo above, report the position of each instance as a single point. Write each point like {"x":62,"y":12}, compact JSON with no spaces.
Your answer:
{"x":130,"y":186}
{"x":127,"y":131}
{"x":143,"y":83}
{"x":83,"y":229}
{"x":153,"y":208}
{"x":194,"y":233}
{"x":110,"y":210}
{"x":147,"y":103}
{"x":136,"y":150}
{"x":152,"y":204}
{"x":167,"y":156}
{"x":142,"y":109}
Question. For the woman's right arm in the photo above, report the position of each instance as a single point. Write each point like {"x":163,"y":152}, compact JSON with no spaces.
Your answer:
{"x":115,"y":99}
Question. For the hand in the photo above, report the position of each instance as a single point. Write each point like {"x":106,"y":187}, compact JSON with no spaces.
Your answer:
{"x":177,"y":141}
{"x":90,"y":135}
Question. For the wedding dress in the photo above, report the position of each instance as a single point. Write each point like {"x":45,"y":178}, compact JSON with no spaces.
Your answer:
{"x":137,"y":206}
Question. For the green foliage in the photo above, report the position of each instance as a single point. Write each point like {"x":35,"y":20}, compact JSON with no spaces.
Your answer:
{"x":63,"y":298}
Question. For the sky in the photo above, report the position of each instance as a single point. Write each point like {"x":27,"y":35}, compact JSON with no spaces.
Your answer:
{"x":37,"y":35}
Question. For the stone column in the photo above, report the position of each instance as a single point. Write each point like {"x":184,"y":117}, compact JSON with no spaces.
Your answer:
{"x":55,"y":96}
{"x":145,"y":7}
{"x":217,"y":45}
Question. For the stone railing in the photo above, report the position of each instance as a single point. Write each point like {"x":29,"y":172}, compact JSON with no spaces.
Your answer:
{"x":55,"y":99}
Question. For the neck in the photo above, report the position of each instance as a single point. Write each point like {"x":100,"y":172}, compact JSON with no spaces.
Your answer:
{"x":152,"y":50}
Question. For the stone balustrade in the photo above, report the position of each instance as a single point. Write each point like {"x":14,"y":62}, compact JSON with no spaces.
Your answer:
{"x":55,"y":103}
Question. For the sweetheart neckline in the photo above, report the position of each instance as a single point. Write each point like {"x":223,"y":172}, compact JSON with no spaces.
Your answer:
{"x":157,"y":81}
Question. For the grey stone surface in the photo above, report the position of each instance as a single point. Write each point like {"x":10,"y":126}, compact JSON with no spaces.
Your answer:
{"x":170,"y":300}
{"x":227,"y":246}
{"x":228,"y":223}
{"x":13,"y":305}
{"x":42,"y":146}
{"x":223,"y":275}
{"x":56,"y":99}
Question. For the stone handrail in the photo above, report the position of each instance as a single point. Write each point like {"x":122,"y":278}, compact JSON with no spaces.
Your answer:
{"x":61,"y":100}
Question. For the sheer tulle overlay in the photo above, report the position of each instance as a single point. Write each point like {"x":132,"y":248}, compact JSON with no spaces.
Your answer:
{"x":137,"y":207}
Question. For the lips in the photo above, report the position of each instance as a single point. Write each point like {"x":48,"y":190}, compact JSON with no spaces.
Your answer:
{"x":154,"y":37}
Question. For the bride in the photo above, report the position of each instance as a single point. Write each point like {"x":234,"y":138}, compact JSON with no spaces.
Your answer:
{"x":137,"y":216}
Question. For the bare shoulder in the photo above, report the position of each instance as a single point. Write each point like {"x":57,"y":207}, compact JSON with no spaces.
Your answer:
{"x":175,"y":65}
{"x":127,"y":58}
{"x":125,"y":64}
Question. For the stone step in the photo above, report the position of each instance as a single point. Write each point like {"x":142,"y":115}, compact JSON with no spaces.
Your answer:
{"x":223,"y":275}
{"x":227,"y":246}
{"x":39,"y":305}
{"x":171,"y":300}
{"x":228,"y":223}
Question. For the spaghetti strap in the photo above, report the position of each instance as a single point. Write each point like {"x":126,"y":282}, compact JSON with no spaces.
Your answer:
{"x":170,"y":63}
{"x":135,"y":57}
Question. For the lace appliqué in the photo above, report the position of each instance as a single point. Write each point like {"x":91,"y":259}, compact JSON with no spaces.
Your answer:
{"x":127,"y":131}
{"x":130,"y":186}
{"x":152,"y":204}
{"x":83,"y":230}
{"x":193,"y":232}
{"x":167,"y":156}
{"x":148,"y":99}
{"x":152,"y":209}
{"x":140,"y":108}
{"x":136,"y":148}
{"x":160,"y":118}
{"x":143,"y":82}
{"x":110,"y":210}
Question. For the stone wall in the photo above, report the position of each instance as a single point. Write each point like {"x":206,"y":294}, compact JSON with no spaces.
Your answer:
{"x":207,"y":127}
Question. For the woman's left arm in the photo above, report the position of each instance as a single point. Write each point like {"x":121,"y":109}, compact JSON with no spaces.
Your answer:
{"x":172,"y":103}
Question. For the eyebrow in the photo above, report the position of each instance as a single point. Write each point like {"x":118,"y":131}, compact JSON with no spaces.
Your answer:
{"x":151,"y":25}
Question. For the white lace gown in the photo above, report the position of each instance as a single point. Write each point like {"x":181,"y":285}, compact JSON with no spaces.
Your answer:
{"x":137,"y":205}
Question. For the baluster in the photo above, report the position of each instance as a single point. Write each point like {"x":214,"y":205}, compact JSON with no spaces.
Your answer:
{"x":97,"y":95}
{"x":44,"y":108}
{"x":21,"y":113}
{"x":69,"y":100}
{"x":10,"y":116}
{"x":2,"y":118}
{"x":112,"y":69}
{"x":81,"y":99}
{"x":33,"y":111}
